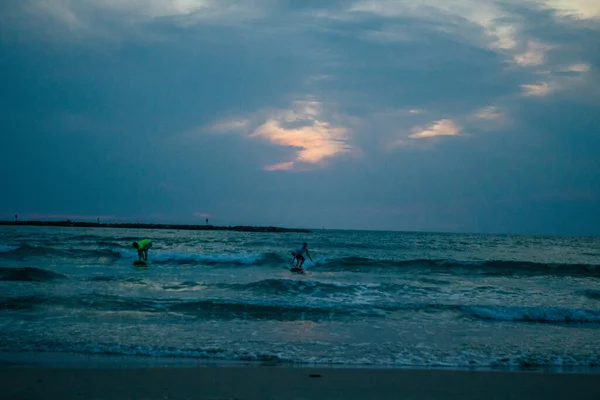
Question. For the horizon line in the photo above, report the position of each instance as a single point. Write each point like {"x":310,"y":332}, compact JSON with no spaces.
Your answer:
{"x":311,"y":229}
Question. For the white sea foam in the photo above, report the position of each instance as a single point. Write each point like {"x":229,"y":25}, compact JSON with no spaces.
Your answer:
{"x":349,"y":354}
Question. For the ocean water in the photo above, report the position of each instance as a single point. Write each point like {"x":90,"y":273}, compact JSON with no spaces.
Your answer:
{"x":371,"y":298}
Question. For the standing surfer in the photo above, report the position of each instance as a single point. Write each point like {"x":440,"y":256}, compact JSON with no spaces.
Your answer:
{"x":299,"y":255}
{"x":142,"y":248}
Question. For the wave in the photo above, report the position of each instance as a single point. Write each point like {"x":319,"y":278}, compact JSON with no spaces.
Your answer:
{"x":358,"y":245}
{"x":549,"y":315}
{"x":182,"y":286}
{"x":435,"y":281}
{"x":222,"y":309}
{"x":398,"y":356}
{"x":19,"y":303}
{"x":352,"y":264}
{"x":95,"y":238}
{"x":352,"y":293}
{"x":7,"y":249}
{"x":40,"y":251}
{"x":591,"y":294}
{"x":105,"y":279}
{"x":28,"y":274}
{"x":165,"y":257}
{"x":285,"y":286}
{"x":534,"y":314}
{"x":367,"y":302}
{"x":109,"y":244}
{"x":319,"y":288}
{"x":213,"y":353}
{"x":157,"y":257}
{"x":490,"y":267}
{"x":208,"y":309}
{"x":94,"y":302}
{"x":307,"y":287}
{"x":137,"y":281}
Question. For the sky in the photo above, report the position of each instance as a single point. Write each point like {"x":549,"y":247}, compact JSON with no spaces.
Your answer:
{"x":432,"y":115}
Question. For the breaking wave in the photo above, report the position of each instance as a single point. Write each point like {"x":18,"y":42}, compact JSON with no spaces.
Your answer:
{"x":352,"y":264}
{"x":534,"y":314}
{"x":160,"y":257}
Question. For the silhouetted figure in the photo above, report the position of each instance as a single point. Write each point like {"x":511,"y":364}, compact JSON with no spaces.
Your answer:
{"x":16,"y":219}
{"x":206,"y":221}
{"x":98,"y":220}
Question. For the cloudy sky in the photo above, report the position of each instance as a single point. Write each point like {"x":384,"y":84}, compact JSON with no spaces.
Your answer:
{"x":430,"y":115}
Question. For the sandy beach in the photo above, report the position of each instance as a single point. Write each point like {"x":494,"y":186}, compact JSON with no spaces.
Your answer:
{"x":263,"y":383}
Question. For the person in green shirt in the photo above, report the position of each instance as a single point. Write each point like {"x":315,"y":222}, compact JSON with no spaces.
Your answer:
{"x":142,"y":248}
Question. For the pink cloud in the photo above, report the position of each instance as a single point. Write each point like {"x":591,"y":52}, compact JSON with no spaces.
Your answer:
{"x":443,"y":127}
{"x":202,"y":215}
{"x":536,"y":89}
{"x":284,"y":166}
{"x":305,"y":128}
{"x":315,"y":142}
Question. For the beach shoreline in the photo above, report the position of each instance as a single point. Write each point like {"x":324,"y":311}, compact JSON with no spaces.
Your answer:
{"x":187,"y":227}
{"x":247,"y":382}
{"x":54,"y":359}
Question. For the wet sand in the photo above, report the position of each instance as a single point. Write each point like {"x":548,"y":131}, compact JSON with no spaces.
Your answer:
{"x":248,"y":383}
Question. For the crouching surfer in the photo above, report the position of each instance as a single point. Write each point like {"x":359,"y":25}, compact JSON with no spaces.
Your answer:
{"x":299,"y":256}
{"x":142,"y":248}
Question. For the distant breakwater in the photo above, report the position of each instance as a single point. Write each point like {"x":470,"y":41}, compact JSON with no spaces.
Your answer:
{"x":238,"y":228}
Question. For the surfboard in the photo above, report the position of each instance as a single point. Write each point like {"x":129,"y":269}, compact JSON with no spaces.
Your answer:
{"x":140,"y":263}
{"x":297,"y":270}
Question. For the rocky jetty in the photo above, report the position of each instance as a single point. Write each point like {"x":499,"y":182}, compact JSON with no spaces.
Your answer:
{"x":238,"y":228}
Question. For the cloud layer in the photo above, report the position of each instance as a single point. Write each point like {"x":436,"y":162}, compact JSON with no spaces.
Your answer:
{"x":423,"y":115}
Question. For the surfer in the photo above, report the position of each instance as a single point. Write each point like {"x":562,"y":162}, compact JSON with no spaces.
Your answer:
{"x":299,"y":255}
{"x":142,"y":248}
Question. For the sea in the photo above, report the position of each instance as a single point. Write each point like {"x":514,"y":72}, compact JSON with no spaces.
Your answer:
{"x":369,"y":299}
